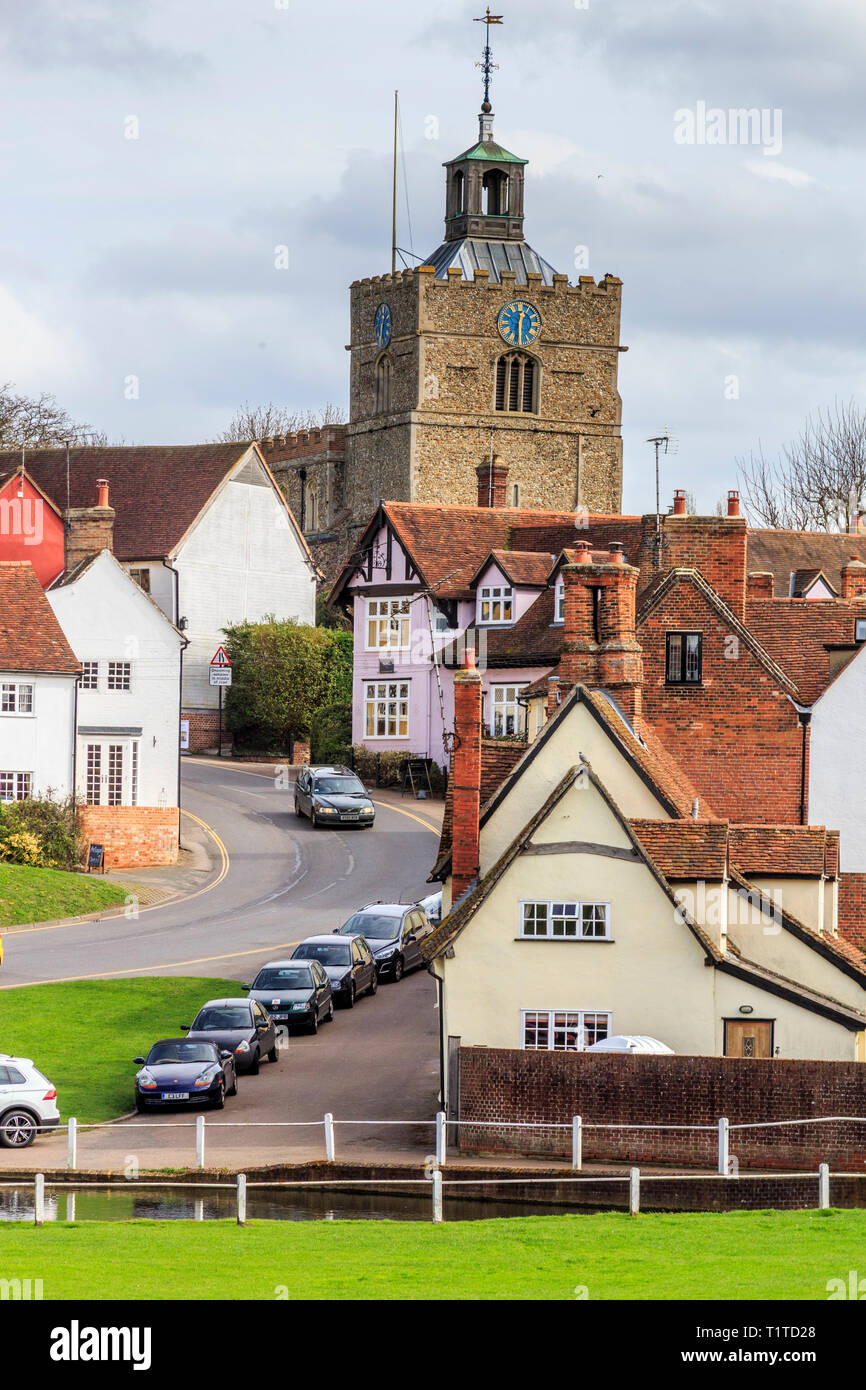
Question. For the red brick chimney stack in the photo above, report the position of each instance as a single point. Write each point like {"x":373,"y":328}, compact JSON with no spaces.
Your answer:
{"x":492,"y":481}
{"x":680,"y":502}
{"x":759,"y":585}
{"x":466,"y":777}
{"x":854,"y":578}
{"x":87,"y":530}
{"x":600,"y":647}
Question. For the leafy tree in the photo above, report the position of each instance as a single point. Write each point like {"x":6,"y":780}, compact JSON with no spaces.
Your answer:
{"x":283,"y":672}
{"x":251,"y":422}
{"x":39,"y":422}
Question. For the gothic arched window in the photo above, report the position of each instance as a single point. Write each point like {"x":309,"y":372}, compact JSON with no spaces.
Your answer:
{"x":495,"y":185}
{"x":383,"y":384}
{"x":517,"y":383}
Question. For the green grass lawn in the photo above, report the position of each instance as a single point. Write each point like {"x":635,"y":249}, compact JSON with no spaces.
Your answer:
{"x":84,"y":1035}
{"x":731,"y":1255}
{"x":38,"y":895}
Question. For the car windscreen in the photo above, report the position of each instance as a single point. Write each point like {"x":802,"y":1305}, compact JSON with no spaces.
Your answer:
{"x":327,"y":952}
{"x":222,"y":1018}
{"x":375,"y":924}
{"x":286,"y":977}
{"x":339,"y":786}
{"x":181,"y":1052}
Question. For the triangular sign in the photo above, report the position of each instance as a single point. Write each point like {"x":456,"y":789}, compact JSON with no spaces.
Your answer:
{"x":220,"y":658}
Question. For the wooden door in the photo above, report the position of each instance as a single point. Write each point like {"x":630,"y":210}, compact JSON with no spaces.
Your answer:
{"x":748,"y":1037}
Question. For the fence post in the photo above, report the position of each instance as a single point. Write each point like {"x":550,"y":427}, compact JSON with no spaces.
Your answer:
{"x":724,"y":1141}
{"x":437,"y":1197}
{"x":39,"y":1200}
{"x":441,"y":1139}
{"x":199,"y":1141}
{"x":242,"y":1199}
{"x":634,"y":1190}
{"x":823,"y":1186}
{"x":72,"y":1142}
{"x":577,"y":1142}
{"x":329,"y":1137}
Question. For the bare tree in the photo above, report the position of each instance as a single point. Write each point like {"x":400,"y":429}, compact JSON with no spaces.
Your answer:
{"x":39,"y":422}
{"x":818,"y":481}
{"x":265,"y":421}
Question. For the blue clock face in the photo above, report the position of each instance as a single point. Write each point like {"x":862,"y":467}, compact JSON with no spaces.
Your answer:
{"x":382,"y":325}
{"x":519,"y":323}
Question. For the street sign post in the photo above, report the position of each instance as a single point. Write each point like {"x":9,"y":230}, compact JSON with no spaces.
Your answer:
{"x":220,"y":675}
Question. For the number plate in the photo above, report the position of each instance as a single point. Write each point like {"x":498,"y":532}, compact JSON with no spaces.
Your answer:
{"x":350,"y":815}
{"x":175,"y":1095}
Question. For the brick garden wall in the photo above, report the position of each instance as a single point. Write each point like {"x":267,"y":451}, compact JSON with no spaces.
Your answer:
{"x":133,"y":836}
{"x":204,"y":730}
{"x":551,"y":1087}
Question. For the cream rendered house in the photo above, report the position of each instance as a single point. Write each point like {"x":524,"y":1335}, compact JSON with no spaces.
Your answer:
{"x":601,"y":907}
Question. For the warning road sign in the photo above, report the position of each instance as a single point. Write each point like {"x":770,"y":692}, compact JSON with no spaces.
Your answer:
{"x":220,"y":658}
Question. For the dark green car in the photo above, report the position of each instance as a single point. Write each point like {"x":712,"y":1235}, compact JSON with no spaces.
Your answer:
{"x":295,"y":993}
{"x":333,"y":796}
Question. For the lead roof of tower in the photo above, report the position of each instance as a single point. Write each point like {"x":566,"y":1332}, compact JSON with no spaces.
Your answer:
{"x":476,"y":253}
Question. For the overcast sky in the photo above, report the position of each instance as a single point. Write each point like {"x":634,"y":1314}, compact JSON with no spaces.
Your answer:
{"x":267,"y":123}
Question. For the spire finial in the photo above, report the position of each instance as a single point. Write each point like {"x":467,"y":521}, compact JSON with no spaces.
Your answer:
{"x":487,"y":65}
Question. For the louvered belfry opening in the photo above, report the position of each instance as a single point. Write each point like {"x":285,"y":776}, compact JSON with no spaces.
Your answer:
{"x":516,"y":383}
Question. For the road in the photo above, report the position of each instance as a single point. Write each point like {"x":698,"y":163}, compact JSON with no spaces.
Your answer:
{"x":279,"y":881}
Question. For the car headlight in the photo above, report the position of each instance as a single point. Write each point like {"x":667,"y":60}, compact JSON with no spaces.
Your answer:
{"x":366,"y":810}
{"x":327,"y":810}
{"x":243,"y":1046}
{"x":146,"y":1081}
{"x":385,"y":952}
{"x":208,"y":1077}
{"x":303,"y":1004}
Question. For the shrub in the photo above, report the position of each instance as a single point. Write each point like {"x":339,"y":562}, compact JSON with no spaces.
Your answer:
{"x":284,"y":673}
{"x":331,"y":734}
{"x":51,"y":823}
{"x":390,"y":768}
{"x":21,"y":847}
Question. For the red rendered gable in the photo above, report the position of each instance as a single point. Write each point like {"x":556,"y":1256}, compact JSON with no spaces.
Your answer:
{"x":30,"y":529}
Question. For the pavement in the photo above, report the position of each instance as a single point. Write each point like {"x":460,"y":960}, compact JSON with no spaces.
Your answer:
{"x":257,"y":881}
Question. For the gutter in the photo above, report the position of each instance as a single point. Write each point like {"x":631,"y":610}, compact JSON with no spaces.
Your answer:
{"x":185,"y":641}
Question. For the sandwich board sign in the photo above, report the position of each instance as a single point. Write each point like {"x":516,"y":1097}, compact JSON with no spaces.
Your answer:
{"x":220,"y":668}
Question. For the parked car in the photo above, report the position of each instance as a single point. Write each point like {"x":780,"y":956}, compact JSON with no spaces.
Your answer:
{"x":295,"y":993}
{"x":634,"y":1042}
{"x":333,"y":796}
{"x":28,"y":1102}
{"x":394,"y":932}
{"x":348,"y":963}
{"x":432,"y":905}
{"x":241,"y":1026}
{"x":179,"y":1072}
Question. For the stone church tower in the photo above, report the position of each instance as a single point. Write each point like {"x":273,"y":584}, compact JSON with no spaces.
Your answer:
{"x":484,"y":351}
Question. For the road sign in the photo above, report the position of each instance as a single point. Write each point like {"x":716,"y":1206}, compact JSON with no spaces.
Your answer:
{"x":220,"y":658}
{"x":220,"y":675}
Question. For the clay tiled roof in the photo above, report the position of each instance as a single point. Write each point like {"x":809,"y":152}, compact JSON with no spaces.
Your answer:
{"x":686,"y":848}
{"x":524,"y":566}
{"x":599,"y":528}
{"x":834,"y":948}
{"x":534,"y":640}
{"x":782,"y":553}
{"x":797,"y":850}
{"x":651,"y":756}
{"x":157,"y":492}
{"x":31,"y":638}
{"x":797,"y":633}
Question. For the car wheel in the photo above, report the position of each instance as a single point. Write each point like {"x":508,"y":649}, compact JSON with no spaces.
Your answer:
{"x":398,"y":970}
{"x":314,"y":1022}
{"x":374,"y":983}
{"x":233,"y":1090}
{"x":273,"y":1055}
{"x":254,"y":1069}
{"x":329,"y":1016}
{"x":140,"y":1107}
{"x":219,"y":1103}
{"x":298,"y":811}
{"x":350,"y":1001}
{"x":18,"y":1129}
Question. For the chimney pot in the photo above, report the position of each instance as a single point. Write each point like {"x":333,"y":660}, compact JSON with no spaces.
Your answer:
{"x":102,"y":492}
{"x":582,"y":553}
{"x":680,"y":502}
{"x":616,"y":553}
{"x":733,"y":502}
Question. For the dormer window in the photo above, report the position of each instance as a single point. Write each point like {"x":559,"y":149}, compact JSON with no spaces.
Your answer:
{"x":495,"y":604}
{"x":559,"y":601}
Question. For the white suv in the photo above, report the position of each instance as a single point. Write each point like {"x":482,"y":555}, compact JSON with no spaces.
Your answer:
{"x":28,"y":1102}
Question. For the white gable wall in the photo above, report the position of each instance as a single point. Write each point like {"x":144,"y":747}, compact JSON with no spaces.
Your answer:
{"x":837,"y":763}
{"x":41,"y":743}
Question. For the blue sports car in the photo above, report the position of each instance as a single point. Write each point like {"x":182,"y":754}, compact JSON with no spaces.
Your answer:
{"x":179,"y":1072}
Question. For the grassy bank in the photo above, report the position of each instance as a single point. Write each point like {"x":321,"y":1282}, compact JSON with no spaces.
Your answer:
{"x":84,"y":1035}
{"x":730,"y":1255}
{"x":38,"y":895}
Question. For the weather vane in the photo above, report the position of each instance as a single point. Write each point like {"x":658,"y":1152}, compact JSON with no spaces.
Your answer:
{"x":488,"y":66}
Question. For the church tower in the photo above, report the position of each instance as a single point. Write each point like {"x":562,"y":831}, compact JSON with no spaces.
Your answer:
{"x":484,"y":350}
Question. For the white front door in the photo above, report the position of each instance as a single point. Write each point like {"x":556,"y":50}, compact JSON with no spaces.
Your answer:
{"x":111,"y":772}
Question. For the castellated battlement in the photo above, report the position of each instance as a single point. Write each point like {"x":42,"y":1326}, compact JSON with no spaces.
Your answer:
{"x":586,"y":284}
{"x":329,"y":439}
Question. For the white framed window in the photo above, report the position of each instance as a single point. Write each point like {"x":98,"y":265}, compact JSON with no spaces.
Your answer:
{"x":563,"y":1030}
{"x":505,"y":713}
{"x":495,"y":604}
{"x":16,"y":786}
{"x":386,"y":709}
{"x":16,"y":697}
{"x":559,"y":601}
{"x":119,"y":675}
{"x":387,"y":624}
{"x":90,"y":675}
{"x":577,"y":921}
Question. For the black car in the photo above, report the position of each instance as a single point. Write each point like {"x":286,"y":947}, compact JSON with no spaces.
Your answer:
{"x":394,"y":932}
{"x":179,"y":1072}
{"x":348,"y":963}
{"x":297,"y":993}
{"x":239,"y":1025}
{"x":333,"y":796}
